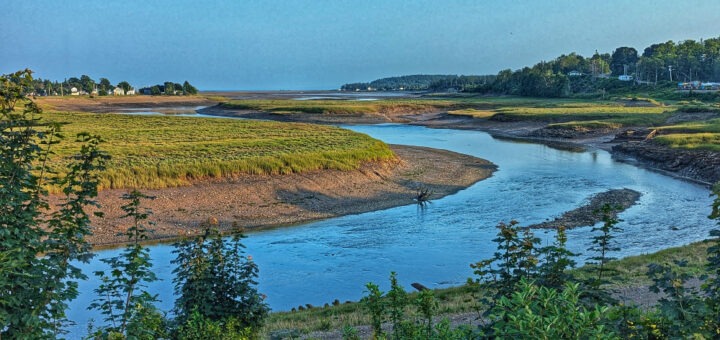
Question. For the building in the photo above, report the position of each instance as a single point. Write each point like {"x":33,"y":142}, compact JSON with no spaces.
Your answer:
{"x":130,"y":92}
{"x":118,"y":91}
{"x":74,"y":91}
{"x":574,"y":74}
{"x":625,"y":77}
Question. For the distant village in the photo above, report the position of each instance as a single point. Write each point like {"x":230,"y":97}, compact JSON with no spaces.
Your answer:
{"x":86,"y":86}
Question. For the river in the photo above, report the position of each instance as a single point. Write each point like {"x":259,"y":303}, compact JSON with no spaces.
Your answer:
{"x":318,"y":262}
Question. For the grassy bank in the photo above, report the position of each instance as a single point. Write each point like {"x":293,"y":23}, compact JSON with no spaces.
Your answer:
{"x":162,"y":151}
{"x":703,"y":135}
{"x":339,"y":107}
{"x":629,"y":272}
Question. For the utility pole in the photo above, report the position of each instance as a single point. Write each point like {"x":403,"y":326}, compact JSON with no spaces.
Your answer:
{"x":670,"y":70}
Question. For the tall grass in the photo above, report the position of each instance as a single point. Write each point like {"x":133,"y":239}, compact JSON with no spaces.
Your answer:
{"x":165,"y":151}
{"x":340,"y":107}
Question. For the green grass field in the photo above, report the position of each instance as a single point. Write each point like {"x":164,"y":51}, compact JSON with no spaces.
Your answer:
{"x":165,"y":151}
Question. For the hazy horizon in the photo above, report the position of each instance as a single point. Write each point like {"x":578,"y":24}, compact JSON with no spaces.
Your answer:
{"x":320,"y":45}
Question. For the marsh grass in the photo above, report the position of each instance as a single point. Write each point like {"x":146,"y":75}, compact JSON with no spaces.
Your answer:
{"x":166,"y":151}
{"x":338,"y":107}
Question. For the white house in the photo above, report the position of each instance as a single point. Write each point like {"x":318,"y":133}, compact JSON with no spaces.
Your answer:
{"x":74,"y":91}
{"x":130,"y":92}
{"x":574,"y":74}
{"x":625,"y":77}
{"x":118,"y":91}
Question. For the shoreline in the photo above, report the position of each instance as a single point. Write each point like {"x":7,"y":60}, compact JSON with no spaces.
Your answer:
{"x":257,"y":202}
{"x":523,"y":131}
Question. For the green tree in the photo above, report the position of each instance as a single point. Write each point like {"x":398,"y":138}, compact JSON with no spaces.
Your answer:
{"x":38,"y":246}
{"x":215,"y":279}
{"x":189,"y":89}
{"x":124,"y":85}
{"x":121,"y":298}
{"x":623,"y":57}
{"x":169,"y":88}
{"x":87,"y":84}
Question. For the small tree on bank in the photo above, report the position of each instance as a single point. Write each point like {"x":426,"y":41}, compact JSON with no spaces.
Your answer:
{"x":214,"y":279}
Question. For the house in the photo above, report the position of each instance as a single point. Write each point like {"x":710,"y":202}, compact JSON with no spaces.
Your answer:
{"x":130,"y":92}
{"x":574,"y":74}
{"x":74,"y":91}
{"x":118,"y":91}
{"x":625,"y":77}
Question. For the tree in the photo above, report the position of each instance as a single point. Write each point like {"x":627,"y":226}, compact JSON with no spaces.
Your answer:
{"x":87,"y":84}
{"x":124,"y":85}
{"x":189,"y":89}
{"x":105,"y":87}
{"x":126,"y":306}
{"x":155,"y":90}
{"x":38,"y":247}
{"x":169,"y":88}
{"x":214,"y":279}
{"x":622,"y":58}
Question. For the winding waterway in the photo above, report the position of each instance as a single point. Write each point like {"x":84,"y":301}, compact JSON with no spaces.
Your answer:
{"x":318,"y":262}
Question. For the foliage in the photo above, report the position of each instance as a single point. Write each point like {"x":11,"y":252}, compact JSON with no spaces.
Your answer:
{"x":379,"y":306}
{"x":536,"y":312}
{"x":121,"y":299}
{"x":415,"y":83}
{"x":556,"y":260}
{"x":198,"y":327}
{"x":515,"y":259}
{"x":38,"y":247}
{"x":712,"y":281}
{"x":681,"y":309}
{"x":158,"y":152}
{"x":603,"y":243}
{"x":215,"y":279}
{"x":376,"y":307}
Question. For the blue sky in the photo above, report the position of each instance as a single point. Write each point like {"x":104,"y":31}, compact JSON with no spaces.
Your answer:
{"x":321,"y":44}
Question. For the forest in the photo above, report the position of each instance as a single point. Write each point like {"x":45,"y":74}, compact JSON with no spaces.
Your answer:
{"x":659,"y":66}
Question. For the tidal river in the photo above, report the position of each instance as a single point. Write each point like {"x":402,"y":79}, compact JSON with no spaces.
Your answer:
{"x":318,"y":262}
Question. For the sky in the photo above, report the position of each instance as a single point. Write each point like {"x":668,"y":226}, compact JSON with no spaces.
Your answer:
{"x":322,"y":44}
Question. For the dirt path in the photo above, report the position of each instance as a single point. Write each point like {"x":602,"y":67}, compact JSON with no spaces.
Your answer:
{"x":253,"y":202}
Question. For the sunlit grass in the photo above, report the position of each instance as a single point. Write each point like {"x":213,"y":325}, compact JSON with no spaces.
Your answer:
{"x":712,"y":125}
{"x":586,"y":125}
{"x":339,"y":107}
{"x":473,"y":113}
{"x":702,"y":141}
{"x":165,"y":151}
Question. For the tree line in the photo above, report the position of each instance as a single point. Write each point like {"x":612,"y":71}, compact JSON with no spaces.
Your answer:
{"x":103,"y":87}
{"x":662,"y":64}
{"x":419,"y":82}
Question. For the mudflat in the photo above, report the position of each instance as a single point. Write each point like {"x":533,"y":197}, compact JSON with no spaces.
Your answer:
{"x":251,"y":202}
